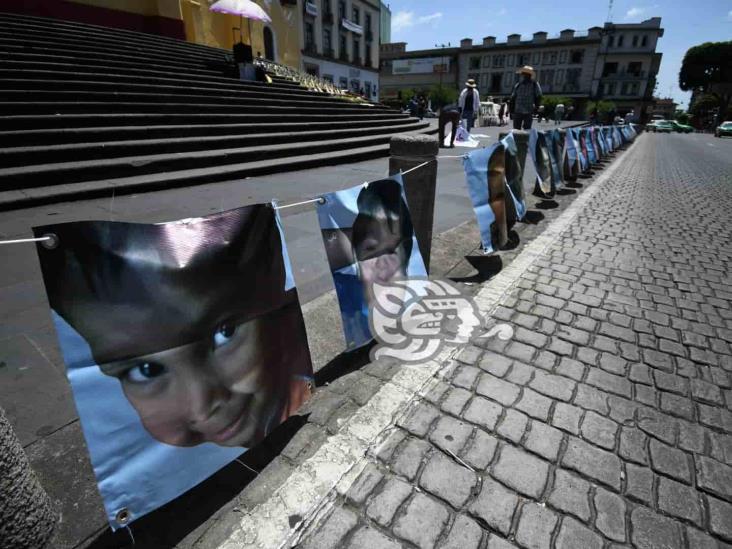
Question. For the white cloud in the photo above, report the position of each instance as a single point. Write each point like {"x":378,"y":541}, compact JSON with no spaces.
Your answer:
{"x":637,"y":11}
{"x":729,"y":15}
{"x":502,"y":11}
{"x":405,"y":19}
{"x":634,"y":12}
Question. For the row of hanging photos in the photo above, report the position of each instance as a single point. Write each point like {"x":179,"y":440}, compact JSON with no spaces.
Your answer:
{"x":184,"y":342}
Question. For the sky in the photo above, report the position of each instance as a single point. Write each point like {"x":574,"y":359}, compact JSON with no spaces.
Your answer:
{"x":426,"y":23}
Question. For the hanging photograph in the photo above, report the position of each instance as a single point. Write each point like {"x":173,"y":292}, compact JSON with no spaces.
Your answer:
{"x":184,"y":344}
{"x":369,"y":238}
{"x":555,"y":147}
{"x":486,"y":181}
{"x":542,"y":164}
{"x":514,"y":179}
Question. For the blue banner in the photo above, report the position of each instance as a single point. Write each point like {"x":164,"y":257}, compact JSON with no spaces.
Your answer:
{"x":369,"y":238}
{"x":514,"y":176}
{"x":542,"y":163}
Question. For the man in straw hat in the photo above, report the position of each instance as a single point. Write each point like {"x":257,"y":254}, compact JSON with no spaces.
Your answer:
{"x":525,"y":97}
{"x":469,"y":103}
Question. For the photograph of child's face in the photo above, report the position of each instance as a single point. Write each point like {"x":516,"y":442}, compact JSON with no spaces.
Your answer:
{"x":194,"y":320}
{"x":225,"y":389}
{"x":382,"y":235}
{"x":369,"y":240}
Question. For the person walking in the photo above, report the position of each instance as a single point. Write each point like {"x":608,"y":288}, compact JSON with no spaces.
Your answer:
{"x":421,"y":107}
{"x":502,"y":114}
{"x":525,"y":97}
{"x":558,"y":114}
{"x":469,"y":103}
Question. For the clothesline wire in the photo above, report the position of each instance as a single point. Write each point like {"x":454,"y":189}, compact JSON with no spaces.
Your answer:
{"x":318,"y":199}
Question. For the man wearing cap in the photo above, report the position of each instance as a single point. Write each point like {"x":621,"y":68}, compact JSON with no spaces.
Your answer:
{"x":469,"y":102}
{"x":525,"y":97}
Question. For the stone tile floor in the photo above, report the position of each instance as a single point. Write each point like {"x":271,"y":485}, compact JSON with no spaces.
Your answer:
{"x":607,"y":420}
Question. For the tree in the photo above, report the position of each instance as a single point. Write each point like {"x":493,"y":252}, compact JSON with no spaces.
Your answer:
{"x":550,"y":103}
{"x":442,"y":95}
{"x":604,"y":108}
{"x":708,"y":67}
{"x":681,"y":116}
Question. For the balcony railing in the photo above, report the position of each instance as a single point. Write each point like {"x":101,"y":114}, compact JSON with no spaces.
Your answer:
{"x":357,"y":60}
{"x":368,"y":63}
{"x":310,"y":48}
{"x":328,"y":52}
{"x":343,"y":56}
{"x":328,"y":17}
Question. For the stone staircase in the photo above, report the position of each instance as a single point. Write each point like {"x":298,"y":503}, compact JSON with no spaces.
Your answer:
{"x":87,"y":109}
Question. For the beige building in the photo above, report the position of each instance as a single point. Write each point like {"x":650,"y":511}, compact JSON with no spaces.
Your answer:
{"x":664,"y":107}
{"x":563,"y":63}
{"x":416,"y":70}
{"x":628,"y":64}
{"x":614,"y":62}
{"x":340,"y":42}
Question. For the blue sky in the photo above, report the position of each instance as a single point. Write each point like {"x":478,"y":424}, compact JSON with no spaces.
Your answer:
{"x":424,"y":23}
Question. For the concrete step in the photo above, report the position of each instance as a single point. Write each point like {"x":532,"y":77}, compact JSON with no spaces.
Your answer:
{"x":25,"y":22}
{"x":27,"y":198}
{"x":47,"y":57}
{"x":23,"y":70}
{"x":41,"y":89}
{"x":112,"y":53}
{"x":77,"y":152}
{"x":103,"y":39}
{"x":84,"y":119}
{"x":88,"y":170}
{"x":54,"y":136}
{"x":177,"y":104}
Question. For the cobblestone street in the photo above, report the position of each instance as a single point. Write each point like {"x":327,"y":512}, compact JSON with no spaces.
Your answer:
{"x":607,"y":420}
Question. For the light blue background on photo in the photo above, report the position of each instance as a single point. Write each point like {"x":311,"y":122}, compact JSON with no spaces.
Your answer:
{"x":339,"y":212}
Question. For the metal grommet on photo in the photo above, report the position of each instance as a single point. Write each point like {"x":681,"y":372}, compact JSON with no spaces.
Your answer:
{"x":51,"y":241}
{"x":123,"y":516}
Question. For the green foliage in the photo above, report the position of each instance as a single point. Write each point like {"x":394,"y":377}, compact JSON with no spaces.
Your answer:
{"x":442,"y":95}
{"x":681,"y":117}
{"x":603,"y":107}
{"x":550,"y":102}
{"x":704,"y":105}
{"x":705,"y":65}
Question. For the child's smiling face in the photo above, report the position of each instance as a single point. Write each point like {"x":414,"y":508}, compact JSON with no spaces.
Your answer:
{"x":212,"y":390}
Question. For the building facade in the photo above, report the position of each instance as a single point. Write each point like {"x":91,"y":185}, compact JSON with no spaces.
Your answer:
{"x":384,"y":23}
{"x":614,"y":62}
{"x":664,"y":107}
{"x":628,"y":64}
{"x":563,"y":64}
{"x":340,"y":42}
{"x":416,"y":70}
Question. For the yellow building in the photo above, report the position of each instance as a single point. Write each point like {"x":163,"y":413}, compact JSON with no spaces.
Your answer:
{"x":278,"y":41}
{"x":187,"y":20}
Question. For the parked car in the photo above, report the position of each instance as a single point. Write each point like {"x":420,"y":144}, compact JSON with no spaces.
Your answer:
{"x":660,"y":126}
{"x":681,"y":128}
{"x":725,"y":128}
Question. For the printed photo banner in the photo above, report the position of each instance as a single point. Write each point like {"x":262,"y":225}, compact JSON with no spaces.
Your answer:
{"x":555,"y":146}
{"x":543,"y":186}
{"x":607,"y":133}
{"x":514,"y":177}
{"x":184,"y":344}
{"x":571,"y":160}
{"x":369,"y":238}
{"x":589,"y":146}
{"x":494,"y":201}
{"x":598,"y":143}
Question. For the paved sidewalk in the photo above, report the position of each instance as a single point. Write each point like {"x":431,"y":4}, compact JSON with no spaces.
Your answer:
{"x":605,"y":421}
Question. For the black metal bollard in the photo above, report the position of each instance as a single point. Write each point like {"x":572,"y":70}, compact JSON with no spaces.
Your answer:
{"x":409,"y":151}
{"x":27,"y":518}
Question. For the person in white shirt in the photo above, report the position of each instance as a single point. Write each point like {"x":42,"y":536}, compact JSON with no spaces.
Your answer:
{"x":469,"y":103}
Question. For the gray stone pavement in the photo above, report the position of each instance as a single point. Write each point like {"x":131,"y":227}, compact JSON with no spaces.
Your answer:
{"x":607,"y":420}
{"x":33,"y":388}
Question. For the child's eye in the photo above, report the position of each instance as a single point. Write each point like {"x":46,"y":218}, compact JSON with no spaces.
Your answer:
{"x":224,"y":334}
{"x":144,"y":372}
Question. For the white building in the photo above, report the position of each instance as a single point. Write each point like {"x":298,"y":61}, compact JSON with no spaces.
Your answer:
{"x":340,"y":42}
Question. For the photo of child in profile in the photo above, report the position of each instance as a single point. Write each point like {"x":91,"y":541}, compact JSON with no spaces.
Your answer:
{"x":376,"y":248}
{"x":193,"y":318}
